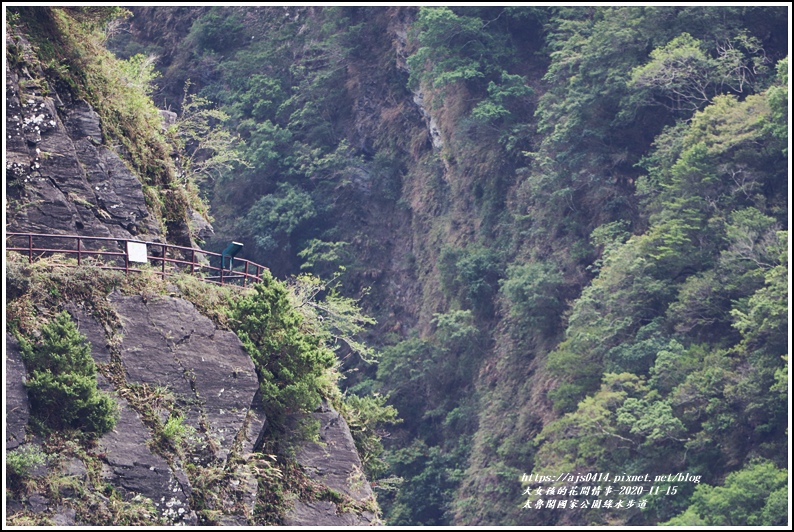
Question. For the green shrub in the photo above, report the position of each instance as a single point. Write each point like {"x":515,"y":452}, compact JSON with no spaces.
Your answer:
{"x":62,"y":386}
{"x":175,"y":430}
{"x":290,"y":362}
{"x":533,"y":291}
{"x":365,"y":416}
{"x":276,"y":219}
{"x":217,"y":31}
{"x":752,"y":496}
{"x":20,"y":461}
{"x":471,"y":275}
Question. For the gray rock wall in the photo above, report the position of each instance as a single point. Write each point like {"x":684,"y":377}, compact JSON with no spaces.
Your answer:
{"x":166,"y":342}
{"x":333,"y":462}
{"x":61,"y":179}
{"x":16,"y":405}
{"x":131,"y":466}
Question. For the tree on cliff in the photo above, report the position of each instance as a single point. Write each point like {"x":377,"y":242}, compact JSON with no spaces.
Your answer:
{"x":63,"y":386}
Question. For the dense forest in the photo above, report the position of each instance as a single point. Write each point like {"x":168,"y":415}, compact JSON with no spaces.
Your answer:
{"x":569,"y":225}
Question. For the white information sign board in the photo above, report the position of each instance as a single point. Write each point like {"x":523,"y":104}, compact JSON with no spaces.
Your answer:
{"x":136,"y":252}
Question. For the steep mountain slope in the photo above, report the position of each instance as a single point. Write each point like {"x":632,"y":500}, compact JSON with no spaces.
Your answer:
{"x":570,"y":224}
{"x":509,"y":184}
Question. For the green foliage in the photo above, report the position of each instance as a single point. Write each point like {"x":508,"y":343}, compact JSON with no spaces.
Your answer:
{"x":408,"y":371}
{"x":673,"y":364}
{"x":455,"y":330}
{"x":210,"y":150}
{"x":289,"y":127}
{"x":98,"y":16}
{"x":324,"y":258}
{"x":763,"y":321}
{"x":329,"y":316}
{"x":275,"y":219}
{"x":608,"y":313}
{"x":494,"y":108}
{"x":217,"y":31}
{"x":777,"y":96}
{"x":683,"y":72}
{"x":303,"y":172}
{"x":610,"y":427}
{"x":429,"y":382}
{"x":290,"y":362}
{"x":533,"y":292}
{"x":753,"y":496}
{"x":471,"y":275}
{"x":366,"y":417}
{"x":590,"y":60}
{"x":781,"y":379}
{"x":595,"y":125}
{"x":19,"y":462}
{"x":268,"y":145}
{"x":461,"y":344}
{"x":432,"y":376}
{"x":703,"y":234}
{"x":696,"y":303}
{"x":259,"y":97}
{"x":175,"y":430}
{"x":652,"y":420}
{"x":457,"y":48}
{"x":425,"y":496}
{"x":703,"y":304}
{"x":139,"y":73}
{"x":638,"y":356}
{"x":62,"y":386}
{"x":450,"y":47}
{"x":609,"y":237}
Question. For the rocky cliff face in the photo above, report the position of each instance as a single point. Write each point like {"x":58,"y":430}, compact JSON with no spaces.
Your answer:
{"x":164,"y":361}
{"x":186,"y":448}
{"x":333,"y":462}
{"x":17,"y":409}
{"x":61,"y":178}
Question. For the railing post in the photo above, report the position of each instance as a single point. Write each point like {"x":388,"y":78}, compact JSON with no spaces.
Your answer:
{"x":221,"y":269}
{"x":245,"y":279}
{"x":192,"y":261}
{"x":79,"y":255}
{"x":30,"y":249}
{"x":126,"y":258}
{"x":162,"y":267}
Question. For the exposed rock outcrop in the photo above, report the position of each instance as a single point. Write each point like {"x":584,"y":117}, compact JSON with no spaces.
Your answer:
{"x":333,"y":462}
{"x":61,"y":179}
{"x":17,"y":409}
{"x":430,"y":121}
{"x":169,"y":118}
{"x":165,"y":341}
{"x":325,"y":513}
{"x":133,"y":467}
{"x":93,"y":331}
{"x":199,"y":226}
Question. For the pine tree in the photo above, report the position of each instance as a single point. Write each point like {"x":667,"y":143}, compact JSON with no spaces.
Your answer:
{"x":63,"y":387}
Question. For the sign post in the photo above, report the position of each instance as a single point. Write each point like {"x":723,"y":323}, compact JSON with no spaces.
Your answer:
{"x":136,"y":252}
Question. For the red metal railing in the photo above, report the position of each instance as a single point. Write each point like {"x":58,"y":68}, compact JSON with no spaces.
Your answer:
{"x":112,"y":255}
